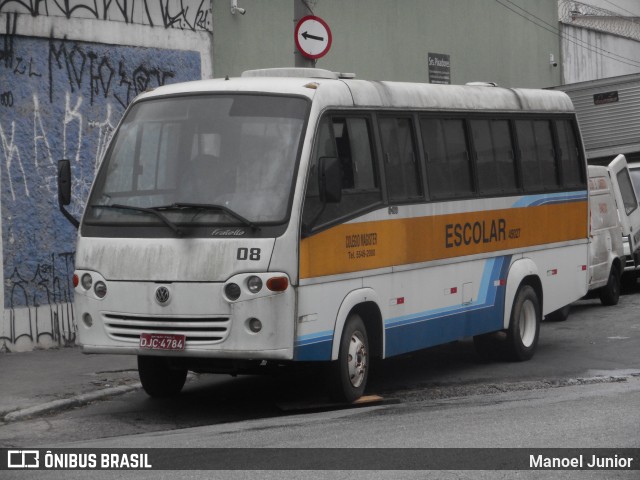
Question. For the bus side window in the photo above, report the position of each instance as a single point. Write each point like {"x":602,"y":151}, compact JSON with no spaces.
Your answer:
{"x":572,"y":167}
{"x":447,"y":158}
{"x":348,"y":139}
{"x":401,"y":169}
{"x":539,"y":169}
{"x":495,"y":162}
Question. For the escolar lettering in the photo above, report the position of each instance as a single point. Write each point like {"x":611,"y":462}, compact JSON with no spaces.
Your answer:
{"x":458,"y":234}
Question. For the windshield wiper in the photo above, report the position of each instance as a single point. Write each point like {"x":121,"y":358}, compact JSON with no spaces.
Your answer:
{"x":151,"y":211}
{"x":211,"y":207}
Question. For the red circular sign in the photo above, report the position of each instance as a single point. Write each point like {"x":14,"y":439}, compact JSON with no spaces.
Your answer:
{"x":313,"y":37}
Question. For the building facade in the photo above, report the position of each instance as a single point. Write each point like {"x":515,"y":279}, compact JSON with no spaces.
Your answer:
{"x":506,"y":42}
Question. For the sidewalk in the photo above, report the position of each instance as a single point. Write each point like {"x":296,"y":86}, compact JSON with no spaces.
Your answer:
{"x":40,"y":381}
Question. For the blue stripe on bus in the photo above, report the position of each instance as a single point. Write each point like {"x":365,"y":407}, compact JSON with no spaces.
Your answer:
{"x":432,"y":327}
{"x":549,"y":198}
{"x":314,"y":347}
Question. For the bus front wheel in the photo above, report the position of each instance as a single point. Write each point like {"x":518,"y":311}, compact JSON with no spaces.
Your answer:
{"x":524,"y":326}
{"x":159,"y":377}
{"x":349,"y":375}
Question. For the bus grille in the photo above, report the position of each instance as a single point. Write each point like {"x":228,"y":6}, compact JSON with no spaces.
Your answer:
{"x":197,"y":330}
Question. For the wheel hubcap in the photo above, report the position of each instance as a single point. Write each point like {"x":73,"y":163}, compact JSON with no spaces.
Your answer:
{"x":527,"y":323}
{"x":357,"y":360}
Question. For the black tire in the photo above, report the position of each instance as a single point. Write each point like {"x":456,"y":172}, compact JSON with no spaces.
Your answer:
{"x":610,"y":293}
{"x":348,"y":377}
{"x":559,"y":315}
{"x":159,"y":377}
{"x":524,"y":325}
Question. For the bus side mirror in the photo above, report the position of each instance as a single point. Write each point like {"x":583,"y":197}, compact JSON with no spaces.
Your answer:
{"x":330,"y":171}
{"x":64,"y":190}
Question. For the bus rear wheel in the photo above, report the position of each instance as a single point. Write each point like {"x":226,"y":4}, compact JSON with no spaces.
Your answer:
{"x":349,"y":376}
{"x":524,"y":325}
{"x":159,"y":377}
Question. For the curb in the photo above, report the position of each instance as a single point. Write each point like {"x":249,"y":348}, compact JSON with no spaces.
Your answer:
{"x":75,"y":401}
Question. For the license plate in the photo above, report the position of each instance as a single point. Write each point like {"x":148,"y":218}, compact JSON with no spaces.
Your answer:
{"x":161,"y":341}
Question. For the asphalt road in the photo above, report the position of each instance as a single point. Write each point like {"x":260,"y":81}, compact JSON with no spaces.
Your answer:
{"x":581,"y":390}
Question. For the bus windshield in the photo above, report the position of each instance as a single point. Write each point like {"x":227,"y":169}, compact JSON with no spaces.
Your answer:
{"x":201,"y":159}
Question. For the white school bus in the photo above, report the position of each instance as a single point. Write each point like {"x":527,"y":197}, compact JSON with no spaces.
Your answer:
{"x":298,"y":215}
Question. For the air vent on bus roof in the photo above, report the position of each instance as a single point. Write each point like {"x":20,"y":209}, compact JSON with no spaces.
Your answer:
{"x":297,"y":72}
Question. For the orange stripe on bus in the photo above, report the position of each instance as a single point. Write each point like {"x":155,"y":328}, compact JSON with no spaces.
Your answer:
{"x":363,"y":246}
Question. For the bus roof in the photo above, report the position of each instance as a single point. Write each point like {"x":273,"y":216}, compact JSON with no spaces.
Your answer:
{"x":342,"y":90}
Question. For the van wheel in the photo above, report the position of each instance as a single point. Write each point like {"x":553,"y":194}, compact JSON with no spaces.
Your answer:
{"x":610,"y":293}
{"x":559,"y":315}
{"x":349,"y":376}
{"x":524,"y":325}
{"x":159,"y":377}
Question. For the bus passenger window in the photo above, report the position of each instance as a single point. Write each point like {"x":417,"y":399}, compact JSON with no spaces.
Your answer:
{"x":495,"y":162}
{"x":401,"y":169}
{"x":348,"y":139}
{"x":572,"y":167}
{"x":447,"y":158}
{"x":539,"y":170}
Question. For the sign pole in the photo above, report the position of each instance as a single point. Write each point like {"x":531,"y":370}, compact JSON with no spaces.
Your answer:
{"x":299,"y":11}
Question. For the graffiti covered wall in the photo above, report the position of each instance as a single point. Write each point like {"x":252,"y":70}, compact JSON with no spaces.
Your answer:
{"x":183,"y":14}
{"x":59,"y":98}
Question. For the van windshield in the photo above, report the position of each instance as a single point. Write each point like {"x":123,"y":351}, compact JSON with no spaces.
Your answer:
{"x":205,"y":159}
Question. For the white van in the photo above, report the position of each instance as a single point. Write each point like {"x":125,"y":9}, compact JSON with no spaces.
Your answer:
{"x":606,"y":252}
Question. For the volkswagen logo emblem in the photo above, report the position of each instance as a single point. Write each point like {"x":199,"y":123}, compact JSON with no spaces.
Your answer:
{"x":163,"y":296}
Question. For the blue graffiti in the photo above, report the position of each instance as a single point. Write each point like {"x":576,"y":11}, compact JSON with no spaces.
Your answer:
{"x":60,"y":99}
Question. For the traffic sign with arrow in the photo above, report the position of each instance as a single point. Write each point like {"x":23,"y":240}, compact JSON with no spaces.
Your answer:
{"x":313,"y":37}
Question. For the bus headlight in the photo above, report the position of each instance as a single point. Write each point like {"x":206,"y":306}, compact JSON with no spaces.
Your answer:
{"x":100,"y":289}
{"x":232,"y":291}
{"x":254,"y":284}
{"x":86,"y":281}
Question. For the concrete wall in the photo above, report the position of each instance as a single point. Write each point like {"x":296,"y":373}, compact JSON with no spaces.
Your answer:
{"x":390,"y":40}
{"x":590,"y":55}
{"x":601,"y":39}
{"x":67,"y":71}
